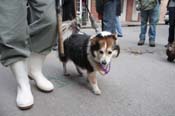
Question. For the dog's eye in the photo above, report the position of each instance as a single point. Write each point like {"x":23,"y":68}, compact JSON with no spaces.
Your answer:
{"x":109,"y":52}
{"x":101,"y":52}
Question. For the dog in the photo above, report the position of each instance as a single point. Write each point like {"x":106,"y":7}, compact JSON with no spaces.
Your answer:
{"x":171,"y":52}
{"x":91,"y":53}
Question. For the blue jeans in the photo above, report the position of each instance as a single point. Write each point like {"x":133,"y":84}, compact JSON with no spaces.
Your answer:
{"x":118,"y":26}
{"x":109,"y":14}
{"x":153,"y":17}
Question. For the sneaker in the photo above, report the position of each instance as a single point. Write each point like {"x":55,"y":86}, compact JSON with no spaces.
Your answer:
{"x":152,"y":43}
{"x":120,"y":35}
{"x":141,"y":42}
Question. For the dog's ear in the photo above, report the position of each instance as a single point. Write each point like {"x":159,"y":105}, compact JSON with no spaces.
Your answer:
{"x":114,"y":36}
{"x":116,"y":47}
{"x":93,"y":40}
{"x":116,"y":50}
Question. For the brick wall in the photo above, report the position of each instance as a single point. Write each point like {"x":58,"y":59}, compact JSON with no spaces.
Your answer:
{"x":163,"y":9}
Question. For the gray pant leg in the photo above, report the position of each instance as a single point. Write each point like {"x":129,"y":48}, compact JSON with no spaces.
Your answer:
{"x":13,"y":31}
{"x":43,"y":25}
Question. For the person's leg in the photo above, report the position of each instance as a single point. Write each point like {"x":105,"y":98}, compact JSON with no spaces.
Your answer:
{"x":153,"y":20}
{"x":14,"y":47}
{"x":43,"y":25}
{"x":171,"y":24}
{"x":43,"y":37}
{"x":14,"y":33}
{"x":35,"y":66}
{"x":109,"y":15}
{"x":118,"y":27}
{"x":24,"y":97}
{"x":143,"y":27}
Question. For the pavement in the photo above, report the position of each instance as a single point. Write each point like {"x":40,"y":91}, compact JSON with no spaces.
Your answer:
{"x":141,"y":83}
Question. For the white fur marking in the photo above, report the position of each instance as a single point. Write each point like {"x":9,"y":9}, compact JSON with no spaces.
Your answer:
{"x":105,"y":33}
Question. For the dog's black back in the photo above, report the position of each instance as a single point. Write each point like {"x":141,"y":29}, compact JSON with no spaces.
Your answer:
{"x":75,"y":49}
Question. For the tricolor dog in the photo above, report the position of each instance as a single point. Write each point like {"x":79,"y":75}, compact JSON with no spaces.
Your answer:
{"x":91,"y":53}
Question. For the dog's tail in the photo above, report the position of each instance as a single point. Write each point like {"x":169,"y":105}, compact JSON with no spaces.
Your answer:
{"x":63,"y":58}
{"x":68,"y":28}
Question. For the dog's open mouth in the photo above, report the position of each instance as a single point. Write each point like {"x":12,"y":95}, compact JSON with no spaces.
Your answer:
{"x":103,"y":69}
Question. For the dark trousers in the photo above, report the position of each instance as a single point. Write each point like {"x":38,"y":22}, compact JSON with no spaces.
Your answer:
{"x":109,"y":15}
{"x":171,"y":24}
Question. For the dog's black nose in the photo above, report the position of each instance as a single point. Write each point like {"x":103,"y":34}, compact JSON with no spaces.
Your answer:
{"x":104,"y":62}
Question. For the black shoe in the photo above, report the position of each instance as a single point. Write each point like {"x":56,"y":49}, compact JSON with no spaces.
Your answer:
{"x":167,"y":45}
{"x":152,"y":43}
{"x":141,"y":42}
{"x":120,"y":35}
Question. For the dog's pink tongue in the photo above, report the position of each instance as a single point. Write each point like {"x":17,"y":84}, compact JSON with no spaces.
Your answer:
{"x":105,"y":68}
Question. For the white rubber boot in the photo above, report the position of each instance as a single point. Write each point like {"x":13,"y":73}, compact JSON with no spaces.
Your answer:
{"x":35,"y":63}
{"x":24,"y":98}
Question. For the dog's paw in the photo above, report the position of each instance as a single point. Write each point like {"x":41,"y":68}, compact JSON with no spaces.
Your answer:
{"x":97,"y":91}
